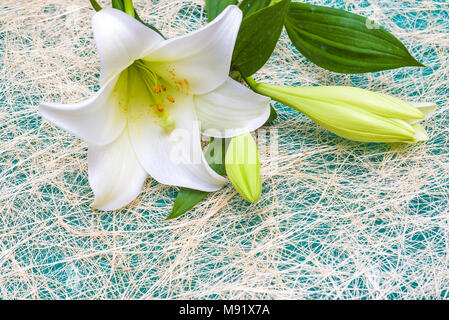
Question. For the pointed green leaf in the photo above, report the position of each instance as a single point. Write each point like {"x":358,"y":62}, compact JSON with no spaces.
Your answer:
{"x":188,"y":198}
{"x":258,"y":36}
{"x":216,"y":160}
{"x":137,"y":17}
{"x":118,"y":4}
{"x":129,"y":7}
{"x":273,"y":116}
{"x":95,"y":5}
{"x":344,"y":42}
{"x":215,"y":7}
{"x":250,"y":6}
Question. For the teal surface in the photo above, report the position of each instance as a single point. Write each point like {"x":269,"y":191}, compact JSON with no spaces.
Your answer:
{"x":53,"y":246}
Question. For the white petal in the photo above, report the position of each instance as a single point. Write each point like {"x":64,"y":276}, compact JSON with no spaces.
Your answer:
{"x":120,"y":40}
{"x":174,"y":158}
{"x":420,"y":133}
{"x":98,"y":120}
{"x":427,"y":108}
{"x":202,"y":57}
{"x":231,"y":110}
{"x":115,"y":174}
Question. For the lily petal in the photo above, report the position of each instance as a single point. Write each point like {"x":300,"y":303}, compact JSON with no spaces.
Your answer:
{"x":231,"y":110}
{"x":420,"y":133}
{"x":98,"y":120}
{"x":427,"y":108}
{"x":174,"y":158}
{"x":115,"y":174}
{"x":201,"y":59}
{"x":120,"y":40}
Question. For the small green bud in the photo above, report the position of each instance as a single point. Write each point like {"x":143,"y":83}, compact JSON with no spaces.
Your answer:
{"x":355,"y":113}
{"x":243,"y":167}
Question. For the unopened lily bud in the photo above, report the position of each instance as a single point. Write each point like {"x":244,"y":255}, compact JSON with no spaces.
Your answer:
{"x":355,"y":113}
{"x":243,"y":167}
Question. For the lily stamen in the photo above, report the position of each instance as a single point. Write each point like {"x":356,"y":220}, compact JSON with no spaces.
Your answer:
{"x":170,"y":98}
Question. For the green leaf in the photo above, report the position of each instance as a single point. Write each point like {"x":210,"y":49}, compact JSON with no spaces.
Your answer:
{"x":273,"y":116}
{"x":137,"y":17}
{"x":118,"y":4}
{"x":129,"y":7}
{"x":344,"y":42}
{"x":250,"y":6}
{"x":95,"y":5}
{"x":188,"y":198}
{"x":258,"y":36}
{"x":215,"y":7}
{"x":216,"y":161}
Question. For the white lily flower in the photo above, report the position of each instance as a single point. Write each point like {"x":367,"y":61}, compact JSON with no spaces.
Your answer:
{"x":149,"y":88}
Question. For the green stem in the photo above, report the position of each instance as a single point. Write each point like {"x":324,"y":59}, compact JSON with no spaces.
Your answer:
{"x":252,"y":83}
{"x":129,"y":7}
{"x":255,"y":87}
{"x":95,"y":5}
{"x":264,"y":91}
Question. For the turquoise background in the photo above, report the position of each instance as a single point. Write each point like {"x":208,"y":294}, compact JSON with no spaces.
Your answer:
{"x":53,"y":246}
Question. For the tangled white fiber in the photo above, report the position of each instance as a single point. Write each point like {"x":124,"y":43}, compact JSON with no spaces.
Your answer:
{"x":338,"y":219}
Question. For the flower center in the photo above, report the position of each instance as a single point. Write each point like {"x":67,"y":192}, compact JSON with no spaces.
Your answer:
{"x":158,"y":92}
{"x":144,"y":93}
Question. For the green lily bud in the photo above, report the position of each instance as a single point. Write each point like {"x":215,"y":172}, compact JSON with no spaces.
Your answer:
{"x":355,"y":113}
{"x":243,"y":167}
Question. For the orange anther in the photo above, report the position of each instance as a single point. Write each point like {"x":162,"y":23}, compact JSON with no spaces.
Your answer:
{"x":164,"y":88}
{"x":157,"y":89}
{"x":171,"y":99}
{"x":160,"y":107}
